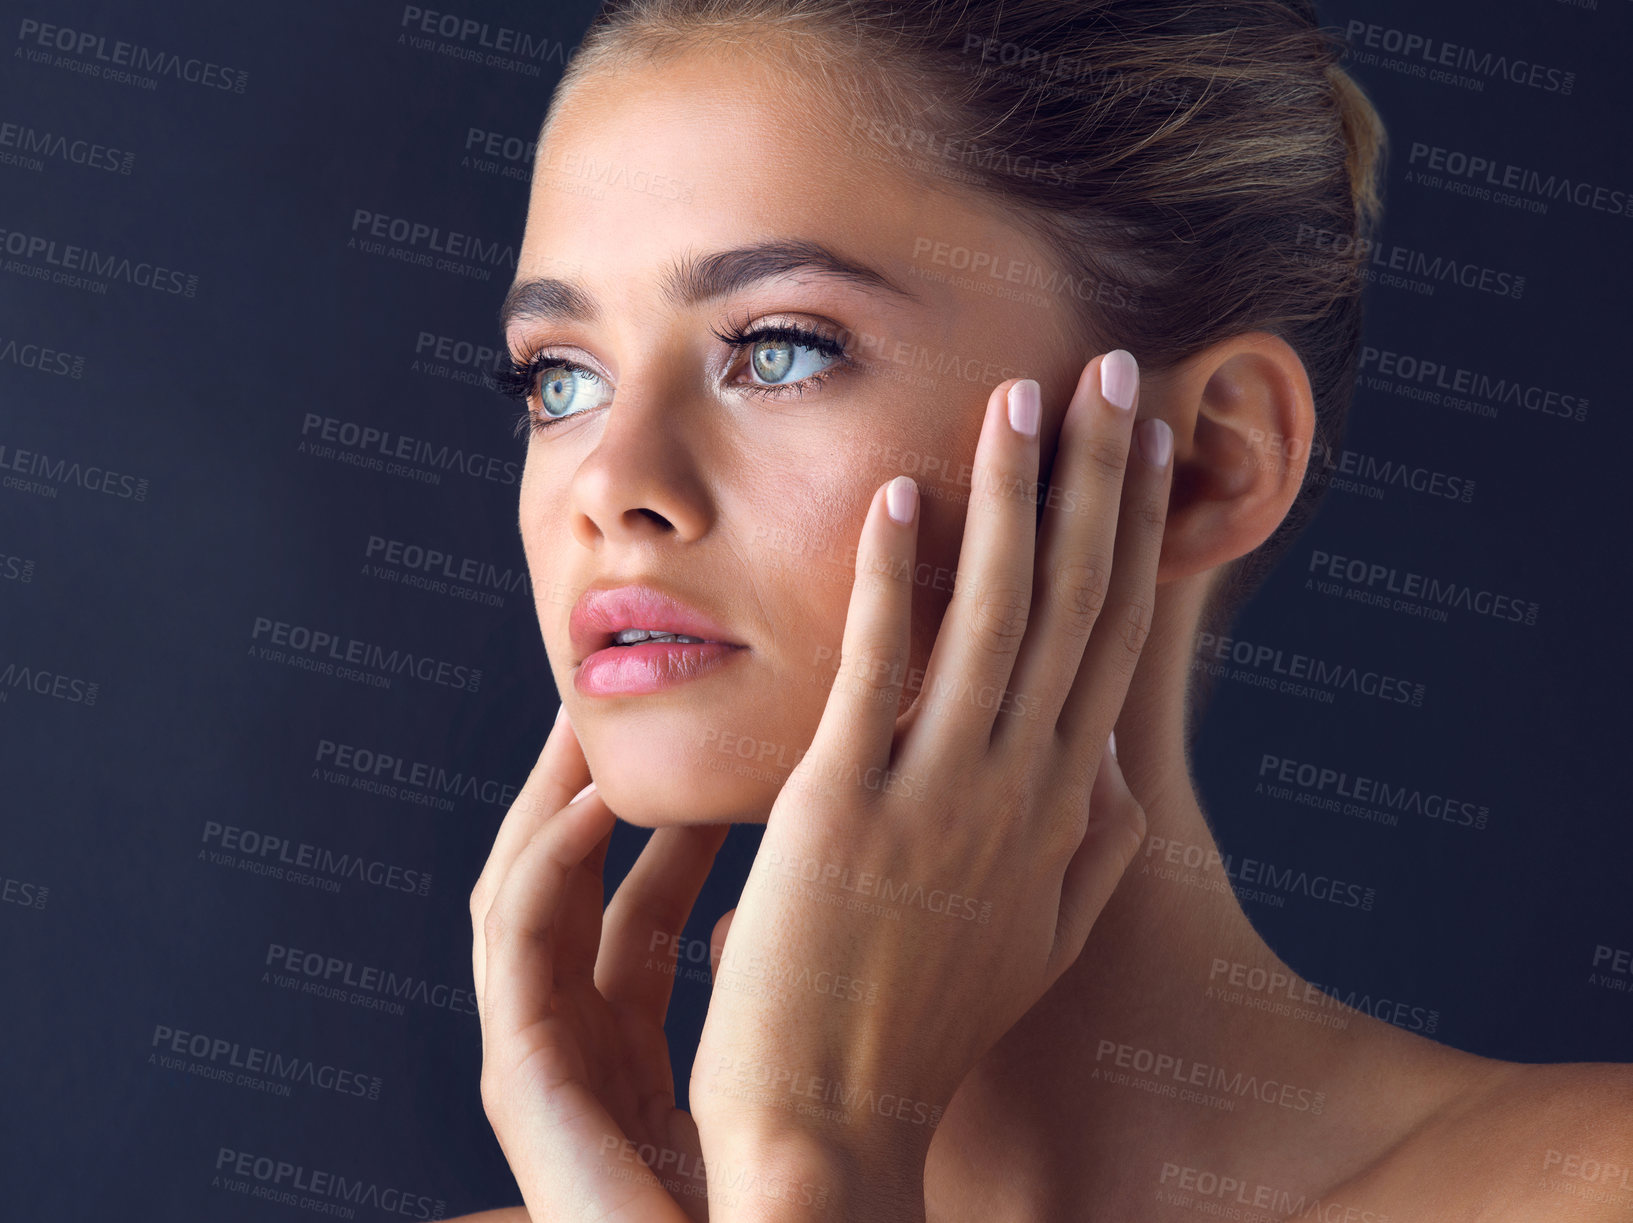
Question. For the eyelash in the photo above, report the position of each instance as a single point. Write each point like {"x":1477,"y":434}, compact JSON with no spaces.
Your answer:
{"x":519,"y":378}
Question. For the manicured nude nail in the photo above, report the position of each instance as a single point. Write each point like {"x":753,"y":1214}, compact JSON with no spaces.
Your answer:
{"x":901,"y":495}
{"x":561,"y":712}
{"x":581,"y":794}
{"x":1111,"y":742}
{"x":1025,"y":407}
{"x":1156,"y":441}
{"x":1119,"y":378}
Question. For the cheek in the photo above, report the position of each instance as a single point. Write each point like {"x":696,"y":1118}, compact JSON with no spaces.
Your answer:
{"x":529,"y":500}
{"x":544,"y":526}
{"x":800,"y":532}
{"x":801,"y":547}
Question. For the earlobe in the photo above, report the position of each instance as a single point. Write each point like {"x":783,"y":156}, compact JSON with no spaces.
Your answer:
{"x":1243,"y":418}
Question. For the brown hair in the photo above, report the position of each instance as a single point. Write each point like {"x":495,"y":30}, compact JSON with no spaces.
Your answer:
{"x":1204,"y":167}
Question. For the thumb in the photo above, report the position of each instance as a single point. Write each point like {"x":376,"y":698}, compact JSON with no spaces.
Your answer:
{"x":1112,"y":840}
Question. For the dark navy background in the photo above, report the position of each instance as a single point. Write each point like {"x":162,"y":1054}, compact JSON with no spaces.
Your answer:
{"x":149,"y":585}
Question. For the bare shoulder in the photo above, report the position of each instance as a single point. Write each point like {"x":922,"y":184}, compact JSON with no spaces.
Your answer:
{"x":1572,"y":1126}
{"x":506,"y":1214}
{"x":1594,"y":1096}
{"x":1525,"y":1143}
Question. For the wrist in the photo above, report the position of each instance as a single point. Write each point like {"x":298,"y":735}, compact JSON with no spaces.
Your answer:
{"x":777,"y":1173}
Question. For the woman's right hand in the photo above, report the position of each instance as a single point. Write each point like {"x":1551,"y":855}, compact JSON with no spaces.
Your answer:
{"x":576,"y":1079}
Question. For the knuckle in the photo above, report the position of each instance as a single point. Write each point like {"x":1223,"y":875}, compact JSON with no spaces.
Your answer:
{"x":494,"y":926}
{"x":870,"y":668}
{"x":1136,"y":627}
{"x":1078,"y":590}
{"x":1152,"y":513}
{"x":491,"y":1089}
{"x":998,"y":616}
{"x":1130,"y":828}
{"x":1062,"y":835}
{"x":1119,"y":823}
{"x":882,"y":568}
{"x":479,"y":901}
{"x":1004,"y":488}
{"x":1138,"y":826}
{"x":1107,"y":457}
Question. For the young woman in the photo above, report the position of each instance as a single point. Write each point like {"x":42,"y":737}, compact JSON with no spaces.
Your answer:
{"x":824,"y":318}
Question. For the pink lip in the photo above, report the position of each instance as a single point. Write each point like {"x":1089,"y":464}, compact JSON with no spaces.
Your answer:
{"x":605,"y":669}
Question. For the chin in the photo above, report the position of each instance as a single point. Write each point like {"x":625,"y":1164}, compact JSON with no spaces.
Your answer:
{"x":650,"y":791}
{"x":707,"y":755}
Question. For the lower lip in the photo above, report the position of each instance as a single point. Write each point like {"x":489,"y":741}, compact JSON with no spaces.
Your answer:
{"x":651,"y":666}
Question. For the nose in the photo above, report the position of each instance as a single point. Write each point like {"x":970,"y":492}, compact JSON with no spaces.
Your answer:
{"x":642,"y":482}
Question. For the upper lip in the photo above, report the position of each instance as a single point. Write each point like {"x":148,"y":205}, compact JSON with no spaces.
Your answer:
{"x":602,"y":611}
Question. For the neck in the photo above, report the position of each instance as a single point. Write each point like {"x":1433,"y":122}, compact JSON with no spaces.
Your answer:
{"x":1128,"y":1063}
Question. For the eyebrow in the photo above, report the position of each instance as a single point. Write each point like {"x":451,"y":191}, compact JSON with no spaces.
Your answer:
{"x":699,"y":278}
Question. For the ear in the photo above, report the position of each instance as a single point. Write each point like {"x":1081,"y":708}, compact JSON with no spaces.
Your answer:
{"x":1243,"y":418}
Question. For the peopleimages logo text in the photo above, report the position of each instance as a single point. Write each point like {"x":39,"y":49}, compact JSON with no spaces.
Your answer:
{"x":1410,"y":800}
{"x":384,"y":442}
{"x":1433,"y":591}
{"x":131,"y":55}
{"x":1438,"y":52}
{"x":342,"y":649}
{"x":71,"y":257}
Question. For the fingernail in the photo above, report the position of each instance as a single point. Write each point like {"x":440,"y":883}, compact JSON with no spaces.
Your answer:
{"x":1111,"y":742}
{"x":1119,"y":378}
{"x":1025,"y":407}
{"x":581,"y":794}
{"x":1156,"y":441}
{"x":561,"y":712}
{"x":901,"y":495}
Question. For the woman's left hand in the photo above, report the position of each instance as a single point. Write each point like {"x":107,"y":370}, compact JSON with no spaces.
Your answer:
{"x":922,"y":882}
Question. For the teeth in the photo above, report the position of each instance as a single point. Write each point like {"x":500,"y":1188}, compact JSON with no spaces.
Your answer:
{"x":631,"y":636}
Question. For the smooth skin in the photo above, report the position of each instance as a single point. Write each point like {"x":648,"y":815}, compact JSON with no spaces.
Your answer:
{"x":575,"y":1065}
{"x":575,"y":1068}
{"x":1019,"y":808}
{"x":763,"y":513}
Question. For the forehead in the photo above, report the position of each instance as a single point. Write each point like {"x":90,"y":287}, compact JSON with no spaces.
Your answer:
{"x":713,"y":148}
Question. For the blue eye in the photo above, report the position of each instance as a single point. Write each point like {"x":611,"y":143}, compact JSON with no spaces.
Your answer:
{"x":561,"y":386}
{"x":775,"y":360}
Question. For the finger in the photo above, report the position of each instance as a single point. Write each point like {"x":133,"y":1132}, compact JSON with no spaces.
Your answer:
{"x":523,"y":923}
{"x":1076,"y":541}
{"x":1111,"y":840}
{"x":981,"y":632}
{"x":559,"y":773}
{"x":640,"y":933}
{"x":580,"y":920}
{"x":1103,"y":675}
{"x":859,"y":720}
{"x":561,"y":1137}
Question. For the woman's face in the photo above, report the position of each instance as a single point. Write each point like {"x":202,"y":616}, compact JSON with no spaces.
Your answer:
{"x":736,"y":479}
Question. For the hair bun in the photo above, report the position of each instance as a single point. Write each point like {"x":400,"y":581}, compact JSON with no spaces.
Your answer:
{"x":1367,"y":141}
